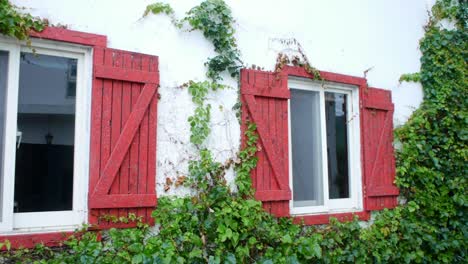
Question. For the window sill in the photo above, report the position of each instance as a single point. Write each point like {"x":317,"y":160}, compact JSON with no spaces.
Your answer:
{"x":321,"y":219}
{"x":52,"y":239}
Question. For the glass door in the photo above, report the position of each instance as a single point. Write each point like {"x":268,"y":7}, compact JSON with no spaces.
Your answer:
{"x":8,"y":135}
{"x":44,"y":134}
{"x":46,"y":120}
{"x":4,"y":56}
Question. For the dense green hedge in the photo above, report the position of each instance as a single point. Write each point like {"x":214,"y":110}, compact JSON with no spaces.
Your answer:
{"x":218,"y":225}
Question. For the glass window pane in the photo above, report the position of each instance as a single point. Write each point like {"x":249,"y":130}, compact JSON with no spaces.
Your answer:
{"x":306,"y":148}
{"x":46,"y":119}
{"x":3,"y":87}
{"x":337,"y":145}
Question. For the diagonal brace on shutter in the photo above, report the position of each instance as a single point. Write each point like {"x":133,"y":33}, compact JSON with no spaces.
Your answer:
{"x":268,"y":145}
{"x":123,"y":143}
{"x":374,"y":190}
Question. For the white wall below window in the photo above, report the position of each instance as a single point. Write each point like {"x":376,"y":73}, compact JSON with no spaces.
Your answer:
{"x":346,"y":37}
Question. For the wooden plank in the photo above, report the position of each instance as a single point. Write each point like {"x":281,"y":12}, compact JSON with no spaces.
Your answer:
{"x":134,"y":149}
{"x":325,"y":218}
{"x":123,"y":74}
{"x":22,"y":241}
{"x":151,"y":185}
{"x":135,"y":145}
{"x":124,"y":140}
{"x":273,"y":195}
{"x":143,"y":148}
{"x":262,"y":168}
{"x":66,"y":35}
{"x":96,"y":126}
{"x":268,"y":173}
{"x":282,"y":208}
{"x":123,"y":201}
{"x":265,"y":138}
{"x":379,"y":191}
{"x":373,"y":104}
{"x":106,"y":122}
{"x":273,"y":135}
{"x":327,"y":76}
{"x":284,"y":94}
{"x":126,"y":110}
{"x":116,"y":124}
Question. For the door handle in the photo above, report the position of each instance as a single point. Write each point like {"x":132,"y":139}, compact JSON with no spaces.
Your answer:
{"x":19,"y":135}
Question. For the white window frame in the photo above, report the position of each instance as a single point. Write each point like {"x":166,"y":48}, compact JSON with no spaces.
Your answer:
{"x":35,"y":222}
{"x":354,"y":203}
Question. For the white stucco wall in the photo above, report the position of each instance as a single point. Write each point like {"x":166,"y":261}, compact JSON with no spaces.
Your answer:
{"x":339,"y":36}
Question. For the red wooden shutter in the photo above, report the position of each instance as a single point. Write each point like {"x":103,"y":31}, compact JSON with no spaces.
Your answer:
{"x":377,"y":147}
{"x":123,"y":135}
{"x":265,"y":102}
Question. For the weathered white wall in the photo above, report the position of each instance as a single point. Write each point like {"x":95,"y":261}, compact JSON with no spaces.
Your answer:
{"x":340,"y":36}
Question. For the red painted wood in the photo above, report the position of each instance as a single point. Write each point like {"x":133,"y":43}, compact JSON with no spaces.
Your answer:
{"x":377,"y":148}
{"x":268,"y":140}
{"x":152,"y":128}
{"x":31,"y":240}
{"x":273,"y":94}
{"x":123,"y":143}
{"x":325,"y":218}
{"x":106,"y":127}
{"x":327,"y":76}
{"x":116,"y":124}
{"x":126,"y":110}
{"x":264,"y":98}
{"x":144,"y":139}
{"x":123,"y":201}
{"x":134,"y":150}
{"x":383,"y":191}
{"x":96,"y":126}
{"x":378,"y":105}
{"x":124,"y":180}
{"x":131,"y":75}
{"x":71,"y":36}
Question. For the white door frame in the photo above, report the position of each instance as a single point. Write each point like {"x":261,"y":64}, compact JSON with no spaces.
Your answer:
{"x":354,"y":202}
{"x":58,"y":220}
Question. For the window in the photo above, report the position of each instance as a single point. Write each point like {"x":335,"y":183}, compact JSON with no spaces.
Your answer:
{"x":325,"y":147}
{"x":322,"y":138}
{"x":44,"y":169}
{"x":77,"y":135}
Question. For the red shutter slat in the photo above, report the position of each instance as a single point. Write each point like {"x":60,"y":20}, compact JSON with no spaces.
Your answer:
{"x":123,"y":74}
{"x":264,"y":102}
{"x":126,"y":110}
{"x":123,"y":152}
{"x":377,"y":146}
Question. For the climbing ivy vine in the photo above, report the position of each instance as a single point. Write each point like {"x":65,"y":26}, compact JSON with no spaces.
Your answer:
{"x":15,"y":24}
{"x":214,"y":19}
{"x":218,"y":224}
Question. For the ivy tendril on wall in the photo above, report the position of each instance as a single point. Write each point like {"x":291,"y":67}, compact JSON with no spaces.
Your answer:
{"x":16,"y":24}
{"x":214,"y":19}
